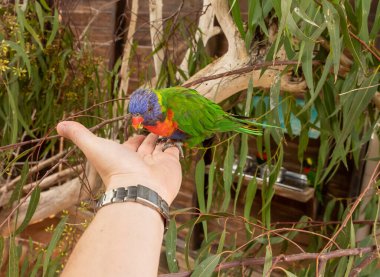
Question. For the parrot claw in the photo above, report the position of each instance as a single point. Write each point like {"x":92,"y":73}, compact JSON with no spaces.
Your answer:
{"x":177,"y":144}
{"x":162,"y":140}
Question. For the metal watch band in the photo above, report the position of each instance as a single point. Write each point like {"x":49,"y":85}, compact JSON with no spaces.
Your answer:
{"x":139,"y":194}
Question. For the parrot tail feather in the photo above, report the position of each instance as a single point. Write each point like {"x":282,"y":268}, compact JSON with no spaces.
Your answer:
{"x":250,"y":131}
{"x":252,"y":122}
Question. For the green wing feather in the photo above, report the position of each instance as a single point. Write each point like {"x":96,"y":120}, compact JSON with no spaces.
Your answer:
{"x":199,"y":117}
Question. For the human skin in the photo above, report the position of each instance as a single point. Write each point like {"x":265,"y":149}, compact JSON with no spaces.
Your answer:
{"x":124,"y":239}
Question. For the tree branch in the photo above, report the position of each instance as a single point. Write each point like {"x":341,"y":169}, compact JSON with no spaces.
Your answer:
{"x":56,"y":199}
{"x":243,"y":70}
{"x":366,"y":46}
{"x":286,"y":258}
{"x":356,"y":271}
{"x":39,"y":166}
{"x":40,"y":140}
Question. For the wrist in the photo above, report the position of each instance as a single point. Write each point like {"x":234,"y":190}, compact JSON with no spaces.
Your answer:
{"x":133,"y":180}
{"x":140,"y":194}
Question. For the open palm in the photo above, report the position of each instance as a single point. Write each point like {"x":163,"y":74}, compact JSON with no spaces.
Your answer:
{"x":137,"y":161}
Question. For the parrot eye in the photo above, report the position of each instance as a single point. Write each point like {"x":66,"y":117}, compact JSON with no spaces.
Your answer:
{"x":136,"y":114}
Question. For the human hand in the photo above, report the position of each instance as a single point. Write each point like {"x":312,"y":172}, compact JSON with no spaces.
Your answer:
{"x":137,"y":161}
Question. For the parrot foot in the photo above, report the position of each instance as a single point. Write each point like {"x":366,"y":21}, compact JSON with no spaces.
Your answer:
{"x":162,"y":140}
{"x":177,"y":144}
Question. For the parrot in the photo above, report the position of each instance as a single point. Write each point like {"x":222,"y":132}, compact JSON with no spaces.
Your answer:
{"x":182,"y":115}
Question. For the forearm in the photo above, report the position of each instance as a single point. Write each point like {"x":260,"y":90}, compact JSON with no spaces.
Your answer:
{"x":124,"y":239}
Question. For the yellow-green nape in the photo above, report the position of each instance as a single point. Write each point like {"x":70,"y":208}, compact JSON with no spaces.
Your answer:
{"x":159,"y":97}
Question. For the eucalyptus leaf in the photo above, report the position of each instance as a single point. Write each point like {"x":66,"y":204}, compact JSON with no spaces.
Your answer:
{"x":205,"y":268}
{"x":171,"y":246}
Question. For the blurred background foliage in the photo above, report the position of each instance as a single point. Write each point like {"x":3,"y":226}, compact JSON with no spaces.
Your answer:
{"x":47,"y":76}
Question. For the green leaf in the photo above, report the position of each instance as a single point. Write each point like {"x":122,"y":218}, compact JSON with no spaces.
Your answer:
{"x":33,"y":203}
{"x":295,"y":30}
{"x":268,"y":260}
{"x":332,"y":17}
{"x":200,"y":187}
{"x":206,"y":267}
{"x":210,"y":185}
{"x":347,"y":37}
{"x":37,"y":265}
{"x":303,"y":142}
{"x":305,"y":17}
{"x":24,"y":267}
{"x":40,"y":15}
{"x":45,"y":5}
{"x":352,"y":245}
{"x":20,"y":51}
{"x":321,"y":82}
{"x":228,"y":175}
{"x":171,"y":247}
{"x":288,"y":273}
{"x":206,"y":246}
{"x":341,"y":267}
{"x":13,"y":269}
{"x":273,"y":118}
{"x":376,"y":23}
{"x":307,"y":64}
{"x":17,"y":191}
{"x":55,"y":28}
{"x":236,"y":16}
{"x":241,"y":165}
{"x":363,"y":11}
{"x":329,"y":208}
{"x":53,"y":243}
{"x":250,"y":196}
{"x":200,"y":184}
{"x":285,"y":12}
{"x":221,"y":241}
{"x":25,"y":23}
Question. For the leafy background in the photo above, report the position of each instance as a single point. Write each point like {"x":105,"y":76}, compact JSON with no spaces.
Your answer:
{"x":47,"y":76}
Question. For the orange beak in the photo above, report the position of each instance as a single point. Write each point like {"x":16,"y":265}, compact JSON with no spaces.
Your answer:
{"x":137,"y":122}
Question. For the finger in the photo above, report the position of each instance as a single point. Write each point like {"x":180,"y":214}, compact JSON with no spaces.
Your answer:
{"x":79,"y":135}
{"x":134,"y":142}
{"x":148,"y":145}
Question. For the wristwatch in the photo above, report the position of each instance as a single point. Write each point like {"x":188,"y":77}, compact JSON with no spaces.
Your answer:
{"x":139,"y":194}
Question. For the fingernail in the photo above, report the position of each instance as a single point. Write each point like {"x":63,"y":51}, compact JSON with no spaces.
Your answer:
{"x":61,"y":128}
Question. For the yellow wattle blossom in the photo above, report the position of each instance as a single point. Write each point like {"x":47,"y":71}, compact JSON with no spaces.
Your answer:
{"x":4,"y":65}
{"x":4,"y":48}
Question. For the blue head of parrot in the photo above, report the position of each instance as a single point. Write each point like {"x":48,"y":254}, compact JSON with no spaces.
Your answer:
{"x":144,"y":107}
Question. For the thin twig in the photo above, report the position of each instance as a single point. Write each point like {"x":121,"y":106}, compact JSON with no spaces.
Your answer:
{"x":243,"y":70}
{"x":366,"y":46}
{"x":354,"y":206}
{"x":54,"y":178}
{"x":317,"y":223}
{"x":351,"y":211}
{"x":286,"y":258}
{"x":97,"y":12}
{"x":355,"y":272}
{"x":39,"y":166}
{"x":93,"y":129}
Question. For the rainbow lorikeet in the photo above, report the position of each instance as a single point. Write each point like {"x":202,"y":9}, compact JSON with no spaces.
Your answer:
{"x":182,"y":114}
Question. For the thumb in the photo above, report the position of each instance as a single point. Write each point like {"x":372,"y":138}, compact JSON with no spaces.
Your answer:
{"x":79,"y":135}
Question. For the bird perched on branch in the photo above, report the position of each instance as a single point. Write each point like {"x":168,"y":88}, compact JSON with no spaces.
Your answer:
{"x":180,"y":114}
